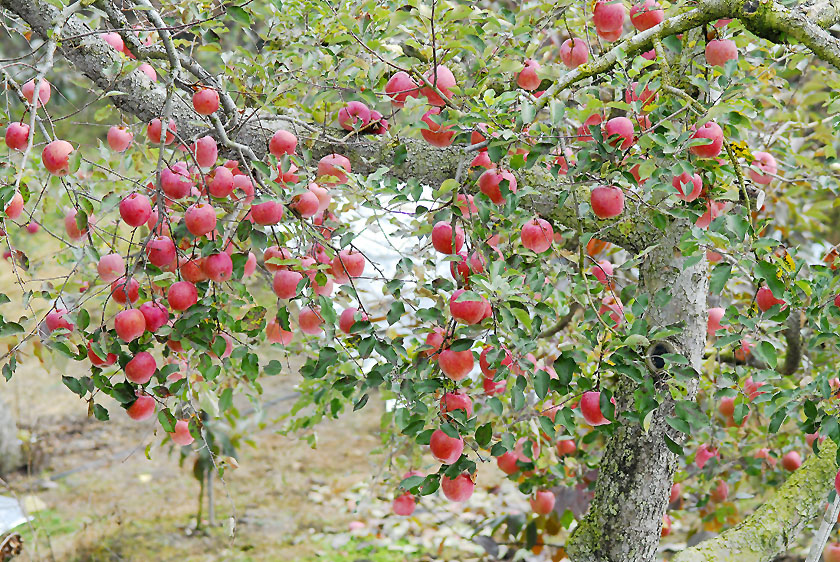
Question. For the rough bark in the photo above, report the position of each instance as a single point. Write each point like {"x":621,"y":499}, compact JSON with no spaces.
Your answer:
{"x":637,"y":468}
{"x":776,"y":524}
{"x":10,"y":456}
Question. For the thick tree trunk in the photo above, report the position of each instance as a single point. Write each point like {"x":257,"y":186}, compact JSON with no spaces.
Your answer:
{"x":10,"y":457}
{"x":631,"y":494}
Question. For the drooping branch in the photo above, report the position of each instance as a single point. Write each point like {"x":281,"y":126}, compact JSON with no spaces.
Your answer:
{"x":777,"y":523}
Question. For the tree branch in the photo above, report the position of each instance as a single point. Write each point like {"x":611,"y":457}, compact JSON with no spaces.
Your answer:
{"x":777,"y":523}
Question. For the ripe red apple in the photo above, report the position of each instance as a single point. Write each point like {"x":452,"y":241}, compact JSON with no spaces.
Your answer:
{"x":484,"y":363}
{"x":713,"y":210}
{"x":349,"y":317}
{"x":459,"y":489}
{"x":704,"y":453}
{"x":56,"y":319}
{"x":15,"y":206}
{"x":720,"y":492}
{"x":837,"y":300}
{"x":155,"y":128}
{"x":452,"y":401}
{"x":713,"y":324}
{"x":97,"y":361}
{"x":666,"y":526}
{"x":354,"y":116}
{"x":688,"y":186}
{"x":221,"y":182}
{"x":148,"y":70}
{"x":434,"y":133}
{"x":434,"y":340}
{"x":765,"y":299}
{"x":490,"y":184}
{"x":349,"y":263}
{"x":119,"y":138}
{"x":135,"y":209}
{"x":444,"y":448}
{"x":56,"y":157}
{"x":218,"y":267}
{"x":647,"y":14}
{"x":44,"y":92}
{"x":399,"y":87}
{"x":603,"y":271}
{"x":719,"y":51}
{"x":181,"y":436}
{"x":123,"y":291}
{"x":141,"y":409}
{"x":155,"y":315}
{"x":275,"y":253}
{"x":537,"y":235}
{"x":176,"y":181}
{"x":456,"y":364}
{"x":130,"y":324}
{"x":161,"y":251}
{"x":609,"y":36}
{"x":282,"y":142}
{"x":182,"y":295}
{"x":543,"y":502}
{"x":676,"y":492}
{"x":590,"y":407}
{"x":442,"y":237}
{"x":334,"y":165}
{"x":713,"y":133}
{"x":206,"y":151}
{"x":765,"y":162}
{"x":574,"y":52}
{"x":306,"y":204}
{"x":622,"y":128}
{"x":404,"y":505}
{"x":727,"y":406}
{"x":646,"y":96}
{"x":791,"y":461}
{"x":17,"y":136}
{"x":275,"y":334}
{"x":200,"y":218}
{"x":565,"y":447}
{"x":585,"y":130}
{"x":607,"y":201}
{"x":114,"y":40}
{"x":205,"y":101}
{"x":608,"y":15}
{"x":527,"y":78}
{"x":832,"y":552}
{"x":310,"y":320}
{"x":285,"y":283}
{"x":141,"y":368}
{"x":465,"y":310}
{"x":442,"y":78}
{"x":271,"y":212}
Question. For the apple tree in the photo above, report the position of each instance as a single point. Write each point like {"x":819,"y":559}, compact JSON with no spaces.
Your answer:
{"x":593,"y":244}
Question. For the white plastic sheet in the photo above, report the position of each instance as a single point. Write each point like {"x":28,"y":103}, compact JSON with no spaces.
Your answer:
{"x":11,"y":514}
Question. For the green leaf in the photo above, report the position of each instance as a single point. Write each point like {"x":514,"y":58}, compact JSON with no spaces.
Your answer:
{"x":226,"y":400}
{"x":541,"y":380}
{"x":74,"y":384}
{"x":766,"y":352}
{"x":720,"y":275}
{"x":240,"y":15}
{"x":483,"y":435}
{"x":673,"y":446}
{"x":396,"y":312}
{"x":100,"y":413}
{"x":768,"y":271}
{"x":528,"y":112}
{"x":167,"y":420}
{"x":777,"y":420}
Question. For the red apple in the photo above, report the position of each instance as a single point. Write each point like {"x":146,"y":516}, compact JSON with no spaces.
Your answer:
{"x":354,"y":116}
{"x":443,"y":79}
{"x":281,"y":143}
{"x":17,"y":136}
{"x":607,"y":201}
{"x":712,"y":132}
{"x":831,"y":553}
{"x":456,"y":364}
{"x":206,"y":151}
{"x":791,"y":461}
{"x":688,"y":186}
{"x":200,"y":218}
{"x":603,"y":271}
{"x":574,"y":52}
{"x":148,"y":70}
{"x":176,"y":181}
{"x":155,"y":315}
{"x":609,"y":36}
{"x":527,"y":78}
{"x":720,"y":492}
{"x":727,"y":406}
{"x":537,"y":235}
{"x":206,"y":101}
{"x":161,"y":251}
{"x":465,"y":310}
{"x":334,"y":165}
{"x":15,"y":206}
{"x":444,"y":448}
{"x":130,"y":324}
{"x":433,"y":132}
{"x":458,"y":489}
{"x":221,"y":182}
{"x":56,"y":157}
{"x":97,"y":361}
{"x":142,"y":409}
{"x":765,"y":299}
{"x":218,"y":267}
{"x":135,"y":209}
{"x":125,"y":290}
{"x":543,"y":502}
{"x":275,"y":253}
{"x":585,"y":130}
{"x":666,"y":526}
{"x":275,"y":334}
{"x":56,"y":319}
{"x":442,"y":238}
{"x":182,"y":295}
{"x":704,"y":453}
{"x":404,"y":505}
{"x":590,"y":407}
{"x":306,"y":204}
{"x":490,"y":184}
{"x":399,"y":87}
{"x":452,"y":401}
{"x":141,"y":368}
{"x":713,"y":324}
{"x":608,"y":15}
{"x":119,"y":138}
{"x":647,"y":14}
{"x":619,"y":129}
{"x":676,"y":492}
{"x":434,"y":340}
{"x":155,"y":128}
{"x":44,"y":92}
{"x":348,"y":319}
{"x":765,"y":162}
{"x":719,"y":51}
{"x":310,"y":321}
{"x":181,"y":436}
{"x":285,"y":283}
{"x":349,"y":263}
